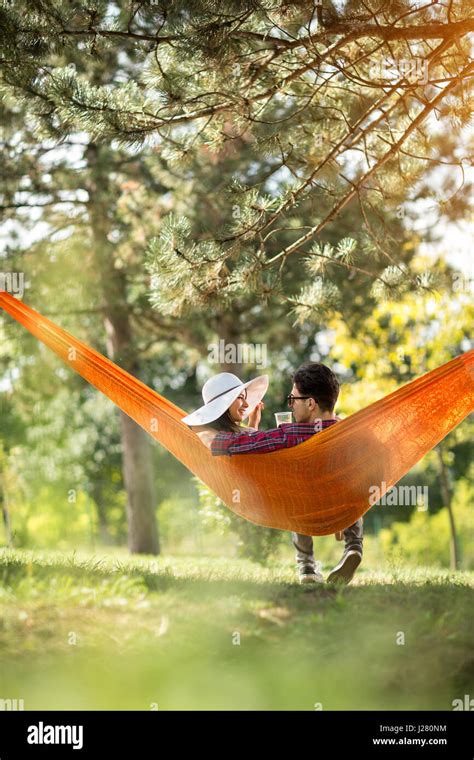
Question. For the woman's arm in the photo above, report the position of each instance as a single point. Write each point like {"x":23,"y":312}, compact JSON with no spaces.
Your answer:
{"x":255,"y":416}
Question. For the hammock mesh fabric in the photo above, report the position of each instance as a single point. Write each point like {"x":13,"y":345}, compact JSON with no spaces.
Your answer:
{"x":319,"y":487}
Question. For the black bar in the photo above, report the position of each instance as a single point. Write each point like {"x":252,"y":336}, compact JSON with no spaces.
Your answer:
{"x":132,"y":733}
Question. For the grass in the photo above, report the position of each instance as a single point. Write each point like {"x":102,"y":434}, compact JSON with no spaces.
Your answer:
{"x":87,"y":632}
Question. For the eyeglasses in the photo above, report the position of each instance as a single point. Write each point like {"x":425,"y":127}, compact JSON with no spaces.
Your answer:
{"x":292,"y":398}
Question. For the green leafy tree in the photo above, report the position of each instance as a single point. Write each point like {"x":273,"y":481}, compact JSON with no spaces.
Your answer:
{"x":341,"y":99}
{"x":397,"y":343}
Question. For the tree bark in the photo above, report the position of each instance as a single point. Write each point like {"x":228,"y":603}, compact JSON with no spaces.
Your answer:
{"x":98,"y":499}
{"x":229,"y":331}
{"x":7,"y":523}
{"x":6,"y":513}
{"x":138,"y":476}
{"x":447,"y":498}
{"x":137,"y":452}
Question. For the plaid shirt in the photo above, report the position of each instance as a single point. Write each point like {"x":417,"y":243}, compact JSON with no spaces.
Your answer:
{"x":264,"y":441}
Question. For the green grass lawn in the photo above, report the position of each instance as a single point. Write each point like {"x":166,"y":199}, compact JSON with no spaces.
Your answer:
{"x":97,"y":632}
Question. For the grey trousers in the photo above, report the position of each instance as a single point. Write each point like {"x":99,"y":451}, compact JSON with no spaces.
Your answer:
{"x":353,"y":539}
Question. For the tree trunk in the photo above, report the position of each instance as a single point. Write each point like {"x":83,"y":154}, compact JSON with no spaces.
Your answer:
{"x":138,"y":475}
{"x":229,"y":331}
{"x":137,"y":451}
{"x":7,"y":524}
{"x":447,"y":498}
{"x":98,"y":499}
{"x":6,"y":513}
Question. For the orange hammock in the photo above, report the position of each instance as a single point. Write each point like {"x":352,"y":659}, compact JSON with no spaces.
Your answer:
{"x":319,"y":487}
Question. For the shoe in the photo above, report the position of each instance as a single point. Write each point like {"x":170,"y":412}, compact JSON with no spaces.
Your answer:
{"x":344,"y":571}
{"x":309,"y":574}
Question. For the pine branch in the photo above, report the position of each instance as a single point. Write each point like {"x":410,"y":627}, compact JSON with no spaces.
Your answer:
{"x":359,"y":185}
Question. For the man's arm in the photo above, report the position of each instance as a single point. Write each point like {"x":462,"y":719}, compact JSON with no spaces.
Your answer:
{"x":262,"y":441}
{"x":247,"y":443}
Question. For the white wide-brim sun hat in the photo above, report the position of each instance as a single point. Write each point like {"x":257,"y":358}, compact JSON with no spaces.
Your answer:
{"x":220,"y":391}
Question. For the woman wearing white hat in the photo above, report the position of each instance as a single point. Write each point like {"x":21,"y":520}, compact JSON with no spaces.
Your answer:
{"x":227,"y":402}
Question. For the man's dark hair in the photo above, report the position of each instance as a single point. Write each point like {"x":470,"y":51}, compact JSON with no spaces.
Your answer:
{"x":319,"y":382}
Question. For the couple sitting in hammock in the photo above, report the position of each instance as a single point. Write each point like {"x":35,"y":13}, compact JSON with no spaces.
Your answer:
{"x":228,"y":402}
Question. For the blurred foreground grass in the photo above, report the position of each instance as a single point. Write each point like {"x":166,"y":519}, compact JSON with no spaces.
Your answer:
{"x":113,"y":632}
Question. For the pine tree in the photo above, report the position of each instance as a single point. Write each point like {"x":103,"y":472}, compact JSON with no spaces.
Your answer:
{"x":341,"y":100}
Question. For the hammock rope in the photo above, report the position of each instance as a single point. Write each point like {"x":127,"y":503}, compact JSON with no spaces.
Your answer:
{"x":318,"y":487}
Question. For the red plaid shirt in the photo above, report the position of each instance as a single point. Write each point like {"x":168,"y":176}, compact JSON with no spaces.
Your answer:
{"x":264,"y":441}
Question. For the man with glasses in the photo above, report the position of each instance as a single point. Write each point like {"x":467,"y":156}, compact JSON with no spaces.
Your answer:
{"x":312,"y":400}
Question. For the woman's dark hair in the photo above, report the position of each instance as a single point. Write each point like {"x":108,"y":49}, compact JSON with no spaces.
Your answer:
{"x":319,"y":382}
{"x":226,"y":423}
